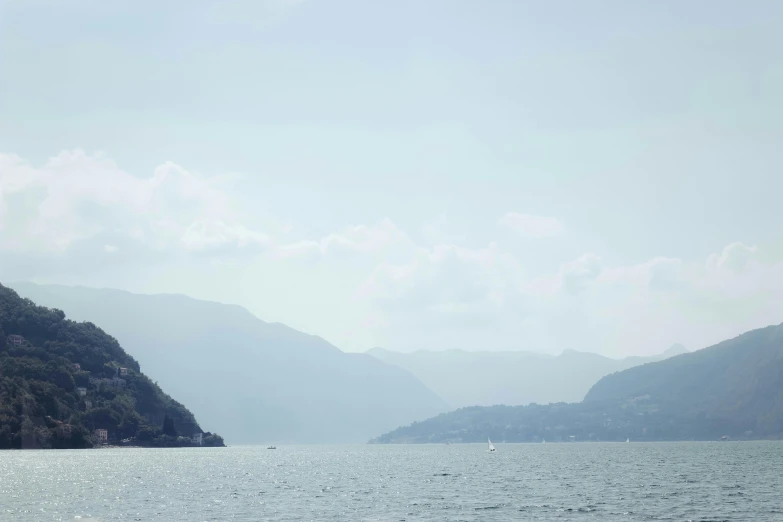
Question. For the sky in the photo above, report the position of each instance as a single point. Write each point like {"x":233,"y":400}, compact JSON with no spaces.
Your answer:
{"x":502,"y":175}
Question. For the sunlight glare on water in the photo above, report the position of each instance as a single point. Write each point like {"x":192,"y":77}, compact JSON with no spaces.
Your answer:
{"x":579,"y":481}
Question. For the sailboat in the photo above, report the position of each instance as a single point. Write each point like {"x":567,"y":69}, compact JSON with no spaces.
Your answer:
{"x":491,"y":447}
{"x":628,"y":440}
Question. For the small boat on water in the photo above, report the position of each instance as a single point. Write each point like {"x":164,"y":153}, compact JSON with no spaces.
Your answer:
{"x":628,"y":440}
{"x":491,"y":447}
{"x":271,"y":447}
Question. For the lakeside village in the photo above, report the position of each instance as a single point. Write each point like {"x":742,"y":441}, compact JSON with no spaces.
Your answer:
{"x":102,"y":437}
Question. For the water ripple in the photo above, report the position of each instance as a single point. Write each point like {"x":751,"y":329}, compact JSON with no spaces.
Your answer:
{"x":705,"y":482}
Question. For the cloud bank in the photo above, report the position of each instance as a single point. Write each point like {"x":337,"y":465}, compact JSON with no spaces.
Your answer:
{"x":80,"y":211}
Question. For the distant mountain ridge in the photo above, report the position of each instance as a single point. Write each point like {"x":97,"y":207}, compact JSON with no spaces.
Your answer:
{"x":463,"y":378}
{"x":260,"y":382}
{"x":730,"y":390}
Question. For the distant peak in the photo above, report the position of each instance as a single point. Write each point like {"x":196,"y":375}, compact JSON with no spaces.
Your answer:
{"x":675,"y":349}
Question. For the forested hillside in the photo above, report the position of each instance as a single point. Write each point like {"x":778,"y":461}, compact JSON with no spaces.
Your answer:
{"x":62,"y":383}
{"x":738,"y":382}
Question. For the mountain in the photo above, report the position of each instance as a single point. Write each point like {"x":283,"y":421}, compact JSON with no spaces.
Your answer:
{"x":732,"y":389}
{"x":260,"y":382}
{"x":514,"y":378}
{"x":738,"y":383}
{"x":675,"y":349}
{"x":60,"y":381}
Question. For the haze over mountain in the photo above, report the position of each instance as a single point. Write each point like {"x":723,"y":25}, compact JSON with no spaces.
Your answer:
{"x":463,"y":378}
{"x":254,"y":381}
{"x":732,"y":389}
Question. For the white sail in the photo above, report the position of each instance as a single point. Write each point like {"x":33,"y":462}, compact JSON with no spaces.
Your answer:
{"x":491,"y":447}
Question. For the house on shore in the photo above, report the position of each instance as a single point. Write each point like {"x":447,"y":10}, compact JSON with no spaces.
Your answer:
{"x":102,"y":435}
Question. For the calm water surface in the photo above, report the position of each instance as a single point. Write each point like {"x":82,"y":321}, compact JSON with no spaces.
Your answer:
{"x":636,"y":481}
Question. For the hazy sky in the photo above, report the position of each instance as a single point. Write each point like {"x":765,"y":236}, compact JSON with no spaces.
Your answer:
{"x":600,"y":175}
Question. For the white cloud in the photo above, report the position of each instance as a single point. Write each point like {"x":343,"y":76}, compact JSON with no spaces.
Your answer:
{"x":75,"y":197}
{"x":576,"y":275}
{"x":530,"y":226}
{"x":202,"y":236}
{"x":384,"y":238}
{"x":734,"y":257}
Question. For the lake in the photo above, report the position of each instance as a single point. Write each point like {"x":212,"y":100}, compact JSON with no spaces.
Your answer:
{"x":706,"y":481}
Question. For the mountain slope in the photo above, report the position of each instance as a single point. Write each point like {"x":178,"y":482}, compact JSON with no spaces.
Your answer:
{"x":260,"y":382}
{"x":487,"y":378}
{"x":732,"y":389}
{"x":60,"y":381}
{"x":739,"y":381}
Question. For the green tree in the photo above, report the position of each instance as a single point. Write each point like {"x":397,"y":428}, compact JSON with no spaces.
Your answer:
{"x":213,"y":440}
